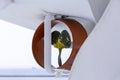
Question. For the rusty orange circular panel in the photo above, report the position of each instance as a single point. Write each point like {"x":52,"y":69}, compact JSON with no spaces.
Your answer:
{"x":79,"y":35}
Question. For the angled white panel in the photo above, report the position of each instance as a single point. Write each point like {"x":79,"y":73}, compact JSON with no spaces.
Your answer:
{"x":26,"y":15}
{"x":30,"y":13}
{"x":98,"y":7}
{"x":99,"y":57}
{"x":79,"y":8}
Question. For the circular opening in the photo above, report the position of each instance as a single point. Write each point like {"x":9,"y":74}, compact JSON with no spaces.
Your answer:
{"x":77,"y":31}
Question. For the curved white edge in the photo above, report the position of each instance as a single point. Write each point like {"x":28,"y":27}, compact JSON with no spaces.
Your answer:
{"x":98,"y":58}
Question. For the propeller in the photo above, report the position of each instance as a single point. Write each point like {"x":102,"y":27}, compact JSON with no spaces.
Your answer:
{"x":60,"y":41}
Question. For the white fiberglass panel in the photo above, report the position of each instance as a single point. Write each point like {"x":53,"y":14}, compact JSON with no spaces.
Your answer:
{"x":99,"y":56}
